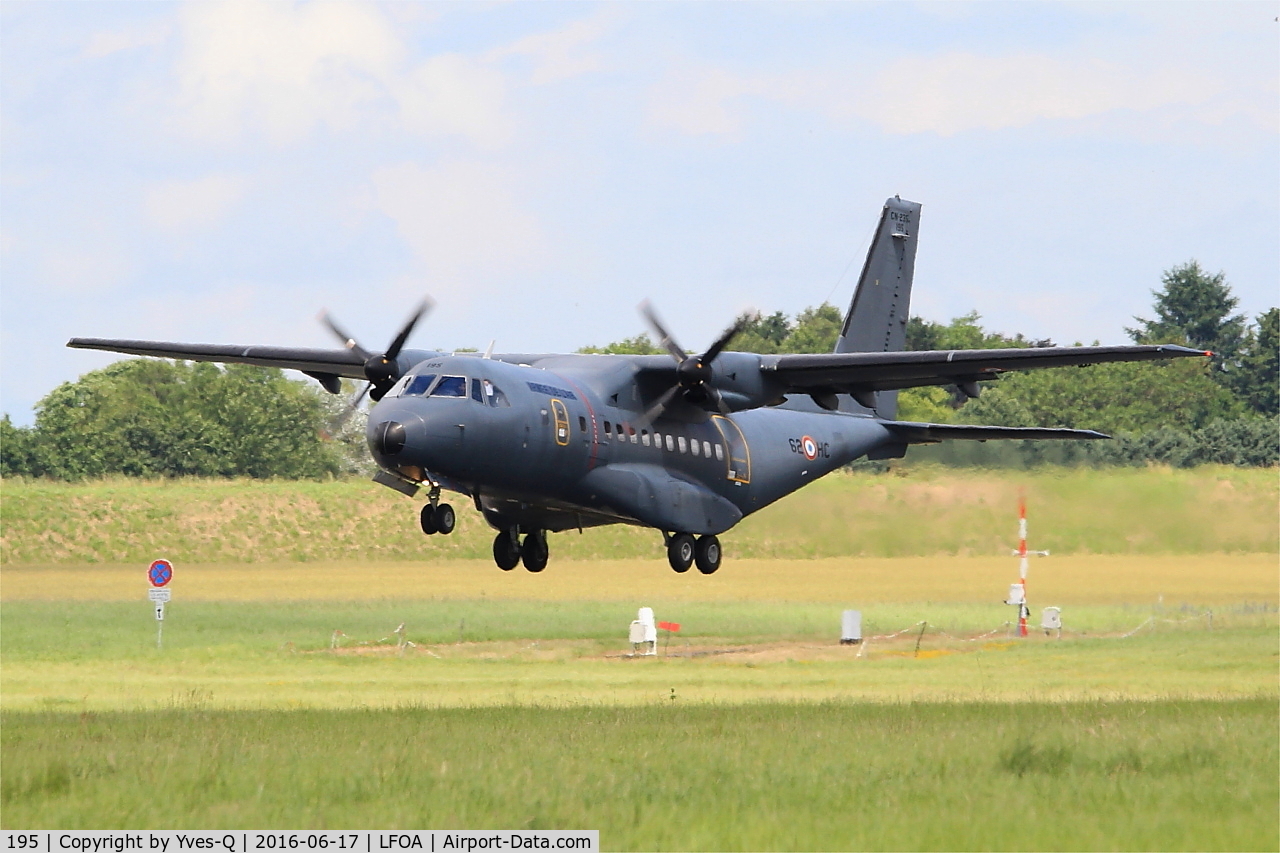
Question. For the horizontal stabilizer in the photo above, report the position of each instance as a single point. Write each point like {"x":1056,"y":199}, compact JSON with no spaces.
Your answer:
{"x":916,"y":433}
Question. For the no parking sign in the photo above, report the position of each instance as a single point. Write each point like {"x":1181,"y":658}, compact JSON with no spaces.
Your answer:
{"x":160,"y":572}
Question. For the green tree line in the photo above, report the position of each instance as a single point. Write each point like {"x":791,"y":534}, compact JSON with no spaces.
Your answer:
{"x":153,"y":418}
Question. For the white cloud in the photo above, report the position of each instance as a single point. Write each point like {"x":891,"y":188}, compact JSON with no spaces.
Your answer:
{"x":117,"y":41}
{"x":92,"y":261}
{"x":454,"y":94}
{"x":190,"y":205}
{"x":461,"y":219}
{"x":947,"y":94}
{"x":956,"y":92}
{"x":560,"y":54}
{"x":283,"y":71}
{"x":700,"y":102}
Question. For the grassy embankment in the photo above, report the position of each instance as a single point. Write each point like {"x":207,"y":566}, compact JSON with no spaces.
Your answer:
{"x":918,"y":511}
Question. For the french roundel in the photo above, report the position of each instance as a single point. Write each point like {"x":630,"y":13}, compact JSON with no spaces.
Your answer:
{"x":810,"y":448}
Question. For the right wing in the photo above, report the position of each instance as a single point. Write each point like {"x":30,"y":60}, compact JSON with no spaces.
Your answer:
{"x":861,"y":372}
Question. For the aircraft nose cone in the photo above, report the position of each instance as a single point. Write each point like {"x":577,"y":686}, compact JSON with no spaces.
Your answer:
{"x":389,"y":438}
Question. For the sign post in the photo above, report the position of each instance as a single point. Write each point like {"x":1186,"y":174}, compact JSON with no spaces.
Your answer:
{"x":159,"y":573}
{"x":669,"y":627}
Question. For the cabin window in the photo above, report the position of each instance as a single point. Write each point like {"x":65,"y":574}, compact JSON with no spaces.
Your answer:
{"x":419,"y":385}
{"x":619,"y":430}
{"x":582,"y":423}
{"x":671,"y":443}
{"x":450,"y":386}
{"x":607,"y":426}
{"x":695,"y":448}
{"x":477,"y":393}
{"x":644,"y":437}
{"x":684,"y":448}
{"x":720,"y":452}
{"x":706,"y":449}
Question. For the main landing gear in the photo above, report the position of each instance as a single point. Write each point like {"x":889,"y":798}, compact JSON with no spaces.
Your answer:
{"x":684,"y":551}
{"x":509,"y":551}
{"x":437,"y":517}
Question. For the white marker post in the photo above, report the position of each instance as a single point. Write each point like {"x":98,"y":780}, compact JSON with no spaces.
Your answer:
{"x":159,"y":573}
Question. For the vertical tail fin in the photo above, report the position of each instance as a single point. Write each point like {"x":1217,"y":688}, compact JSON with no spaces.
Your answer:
{"x":877,"y":318}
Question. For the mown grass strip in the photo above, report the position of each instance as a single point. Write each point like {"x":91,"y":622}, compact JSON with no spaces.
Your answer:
{"x":1203,"y":580}
{"x":103,"y":656}
{"x":1162,"y":775}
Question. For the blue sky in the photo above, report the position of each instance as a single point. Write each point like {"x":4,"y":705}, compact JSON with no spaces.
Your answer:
{"x":220,"y":172}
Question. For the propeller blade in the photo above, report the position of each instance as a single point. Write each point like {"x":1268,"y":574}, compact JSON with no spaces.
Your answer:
{"x":352,"y":407}
{"x":347,"y":341}
{"x":657,"y":409}
{"x":725,"y":337}
{"x":665,"y":339}
{"x":398,"y":343}
{"x":718,"y":399}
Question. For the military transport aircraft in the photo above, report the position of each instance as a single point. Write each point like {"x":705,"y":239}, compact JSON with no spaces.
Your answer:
{"x":687,"y":444}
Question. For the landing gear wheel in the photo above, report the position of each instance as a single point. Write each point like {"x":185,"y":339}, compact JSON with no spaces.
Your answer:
{"x":707,"y":554}
{"x":428,"y":520}
{"x":534,"y":551}
{"x":680,"y":550}
{"x":506,"y":551}
{"x":445,"y":519}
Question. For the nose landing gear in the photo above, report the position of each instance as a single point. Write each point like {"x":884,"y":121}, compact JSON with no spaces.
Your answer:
{"x":437,"y":517}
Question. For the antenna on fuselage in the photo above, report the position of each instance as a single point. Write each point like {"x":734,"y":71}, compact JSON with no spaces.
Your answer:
{"x":489,"y":352}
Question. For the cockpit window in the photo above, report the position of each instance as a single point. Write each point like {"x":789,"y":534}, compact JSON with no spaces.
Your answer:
{"x":450,"y":386}
{"x":477,"y":393}
{"x":418,"y":385}
{"x":398,"y":388}
{"x":494,"y":395}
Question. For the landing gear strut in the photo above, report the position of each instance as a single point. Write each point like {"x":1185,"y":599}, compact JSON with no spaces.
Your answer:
{"x":437,"y":517}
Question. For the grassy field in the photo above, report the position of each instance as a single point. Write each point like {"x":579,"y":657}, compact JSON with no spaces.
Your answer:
{"x":514,"y":703}
{"x":1171,"y":775}
{"x":913,"y":511}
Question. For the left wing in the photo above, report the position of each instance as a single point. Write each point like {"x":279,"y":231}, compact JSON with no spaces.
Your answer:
{"x":862,"y":372}
{"x":324,"y":365}
{"x":338,"y":362}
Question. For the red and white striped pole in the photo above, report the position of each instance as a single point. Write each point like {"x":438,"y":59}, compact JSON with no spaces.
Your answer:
{"x":1024,"y":609}
{"x":1022,"y":563}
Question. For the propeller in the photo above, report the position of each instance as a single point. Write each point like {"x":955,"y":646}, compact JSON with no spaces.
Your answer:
{"x":382,"y":370}
{"x":693,"y":372}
